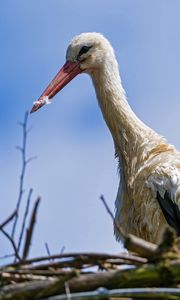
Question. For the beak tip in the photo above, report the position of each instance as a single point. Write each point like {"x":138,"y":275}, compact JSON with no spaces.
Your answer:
{"x":32,"y":110}
{"x":36,"y":106}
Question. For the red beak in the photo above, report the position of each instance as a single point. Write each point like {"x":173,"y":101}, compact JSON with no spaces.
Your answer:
{"x":65,"y":75}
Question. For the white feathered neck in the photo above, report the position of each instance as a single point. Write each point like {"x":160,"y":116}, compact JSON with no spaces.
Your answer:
{"x":131,"y":136}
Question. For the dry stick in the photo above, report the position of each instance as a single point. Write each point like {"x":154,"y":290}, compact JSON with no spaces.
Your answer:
{"x":118,"y":227}
{"x":132,"y":242}
{"x":24,"y":163}
{"x":62,"y":249}
{"x":47,"y":249}
{"x":30,"y":229}
{"x":12,"y":243}
{"x":24,"y":219}
{"x":149,"y":275}
{"x":92,"y":255}
{"x":84,"y":263}
{"x":140,"y":246}
{"x":7,"y":256}
{"x":9,"y":219}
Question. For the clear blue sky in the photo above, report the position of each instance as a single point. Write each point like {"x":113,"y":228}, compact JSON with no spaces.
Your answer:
{"x":75,"y":151}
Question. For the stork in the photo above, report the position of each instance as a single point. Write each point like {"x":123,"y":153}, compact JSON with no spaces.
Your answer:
{"x":148,"y":197}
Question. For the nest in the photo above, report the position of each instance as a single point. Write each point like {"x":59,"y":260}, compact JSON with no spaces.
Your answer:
{"x":147,"y":272}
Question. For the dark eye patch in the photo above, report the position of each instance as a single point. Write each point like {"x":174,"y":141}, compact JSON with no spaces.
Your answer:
{"x":84,"y":50}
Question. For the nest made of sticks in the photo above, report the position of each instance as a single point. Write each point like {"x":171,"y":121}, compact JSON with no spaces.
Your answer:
{"x":148,"y":272}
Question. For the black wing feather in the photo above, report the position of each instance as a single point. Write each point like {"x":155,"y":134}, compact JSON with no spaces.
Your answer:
{"x":170,"y":210}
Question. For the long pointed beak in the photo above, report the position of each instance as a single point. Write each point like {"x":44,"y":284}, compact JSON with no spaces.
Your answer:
{"x":65,"y":75}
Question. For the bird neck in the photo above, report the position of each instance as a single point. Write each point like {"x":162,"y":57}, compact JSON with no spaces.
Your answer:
{"x":128,"y":131}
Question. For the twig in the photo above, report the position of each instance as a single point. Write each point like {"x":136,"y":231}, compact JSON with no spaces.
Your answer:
{"x":7,"y":256}
{"x":47,"y":249}
{"x":91,"y":255}
{"x":131,"y":242}
{"x":9,"y":219}
{"x":140,"y":246}
{"x":12,"y":243}
{"x":30,"y":229}
{"x":30,"y":159}
{"x":118,"y":227}
{"x":62,"y":249}
{"x":24,"y":219}
{"x":149,"y":275}
{"x":21,"y":184}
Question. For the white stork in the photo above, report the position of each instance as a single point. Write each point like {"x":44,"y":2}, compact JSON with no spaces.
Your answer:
{"x":149,"y":191}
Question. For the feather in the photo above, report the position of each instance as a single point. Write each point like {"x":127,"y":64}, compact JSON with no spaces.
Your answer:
{"x":170,"y":210}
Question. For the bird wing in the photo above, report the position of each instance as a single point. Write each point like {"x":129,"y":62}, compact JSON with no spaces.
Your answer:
{"x":165,"y":185}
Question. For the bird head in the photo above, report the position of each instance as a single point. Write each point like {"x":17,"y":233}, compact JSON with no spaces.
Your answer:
{"x":86,"y":53}
{"x":90,"y":50}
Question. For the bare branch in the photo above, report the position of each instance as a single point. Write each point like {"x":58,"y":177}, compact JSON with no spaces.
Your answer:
{"x":140,"y":246}
{"x":62,"y":249}
{"x":12,"y":243}
{"x":19,"y":148}
{"x":131,"y":242}
{"x":21,"y":184}
{"x":30,"y":229}
{"x":7,"y":256}
{"x":24,"y":219}
{"x":31,"y":158}
{"x":48,"y":251}
{"x":9,"y":219}
{"x":118,"y":227}
{"x":83,"y":256}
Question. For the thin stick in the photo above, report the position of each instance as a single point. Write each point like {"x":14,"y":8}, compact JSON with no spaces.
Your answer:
{"x":21,"y":184}
{"x":118,"y":227}
{"x":24,"y":219}
{"x":7,"y":256}
{"x":47,"y":249}
{"x":30,"y":229}
{"x":131,"y":242}
{"x":62,"y":249}
{"x":12,"y":243}
{"x":95,"y":256}
{"x":9,"y":219}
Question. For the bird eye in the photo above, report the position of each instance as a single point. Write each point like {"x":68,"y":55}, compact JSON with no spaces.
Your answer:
{"x":84,"y":50}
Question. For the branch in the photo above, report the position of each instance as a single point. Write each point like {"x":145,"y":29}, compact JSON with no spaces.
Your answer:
{"x":140,"y":246}
{"x":83,"y":256}
{"x":30,"y":229}
{"x":21,"y":184}
{"x":7,"y":256}
{"x":149,"y":275}
{"x":24,"y":219}
{"x":9,"y":219}
{"x":118,"y":227}
{"x":12,"y":243}
{"x":132,"y":242}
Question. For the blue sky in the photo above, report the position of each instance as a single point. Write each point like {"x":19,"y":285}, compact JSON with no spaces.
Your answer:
{"x":75,"y":151}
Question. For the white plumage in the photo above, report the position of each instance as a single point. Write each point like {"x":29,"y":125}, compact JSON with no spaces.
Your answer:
{"x":149,"y":167}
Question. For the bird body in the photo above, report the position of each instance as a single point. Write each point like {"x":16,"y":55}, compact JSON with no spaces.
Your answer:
{"x":149,"y":191}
